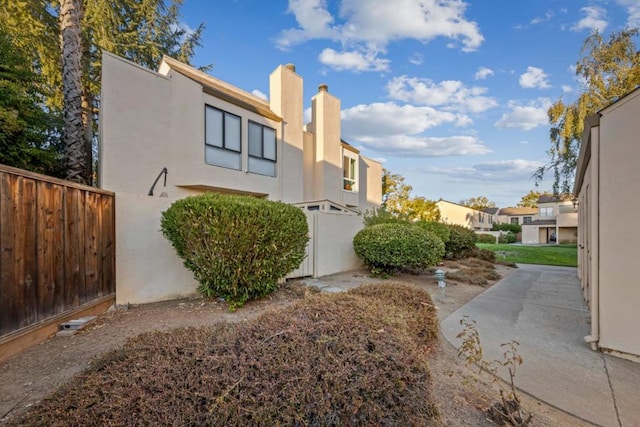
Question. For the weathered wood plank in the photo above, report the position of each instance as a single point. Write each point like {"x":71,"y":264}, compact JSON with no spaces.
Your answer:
{"x":57,"y":234}
{"x":108,"y":245}
{"x":74,"y":290}
{"x":92,"y":279}
{"x":45,"y":251}
{"x":29,"y":269}
{"x":7,"y":254}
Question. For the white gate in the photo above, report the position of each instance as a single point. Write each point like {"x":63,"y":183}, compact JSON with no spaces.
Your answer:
{"x":306,"y":267}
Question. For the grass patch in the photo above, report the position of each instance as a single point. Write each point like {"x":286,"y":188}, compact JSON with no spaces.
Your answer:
{"x":561,"y":255}
{"x":358,"y":358}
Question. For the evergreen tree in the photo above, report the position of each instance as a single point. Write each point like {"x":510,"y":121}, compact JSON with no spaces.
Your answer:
{"x":29,"y":135}
{"x":139,"y":30}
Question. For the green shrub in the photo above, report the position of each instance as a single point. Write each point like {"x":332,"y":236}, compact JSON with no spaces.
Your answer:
{"x":381,"y":216}
{"x":237,"y":247}
{"x":507,"y":238}
{"x":486,"y":238}
{"x":461,"y":241}
{"x":439,"y":229}
{"x":505,"y":226}
{"x":384,"y":248}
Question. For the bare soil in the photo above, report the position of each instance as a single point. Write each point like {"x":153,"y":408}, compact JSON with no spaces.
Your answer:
{"x":34,"y":374}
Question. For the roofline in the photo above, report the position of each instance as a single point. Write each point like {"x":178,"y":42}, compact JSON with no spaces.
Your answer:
{"x":220,"y":89}
{"x":585,"y":151}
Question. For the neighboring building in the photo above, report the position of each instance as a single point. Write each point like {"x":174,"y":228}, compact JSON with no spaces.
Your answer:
{"x":557,"y":222}
{"x":608,"y":238}
{"x":211,"y":136}
{"x":518,"y":216}
{"x":453,"y":213}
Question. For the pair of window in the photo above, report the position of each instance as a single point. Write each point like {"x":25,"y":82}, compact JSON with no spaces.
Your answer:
{"x":546,"y":211}
{"x":515,"y":220}
{"x":526,"y":220}
{"x":223,"y":143}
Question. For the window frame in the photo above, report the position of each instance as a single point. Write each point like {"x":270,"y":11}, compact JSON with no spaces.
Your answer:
{"x":275,"y":141}
{"x":347,"y":180}
{"x":527,"y":220}
{"x":224,"y":133}
{"x":514,"y":220}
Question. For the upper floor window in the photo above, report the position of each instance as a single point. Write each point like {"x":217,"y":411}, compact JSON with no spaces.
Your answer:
{"x":349,"y":173}
{"x":490,"y":219}
{"x":546,"y":211}
{"x":480,"y":217}
{"x":262,"y":149}
{"x":515,"y":220}
{"x":526,"y":220}
{"x":222,"y":138}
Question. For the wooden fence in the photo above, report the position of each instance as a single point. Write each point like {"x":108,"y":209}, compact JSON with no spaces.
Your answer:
{"x":57,"y":247}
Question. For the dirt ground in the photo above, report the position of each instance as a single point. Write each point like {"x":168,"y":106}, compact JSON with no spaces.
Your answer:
{"x":34,"y":374}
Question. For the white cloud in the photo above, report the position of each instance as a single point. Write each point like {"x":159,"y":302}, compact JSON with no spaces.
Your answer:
{"x":399,"y":131}
{"x":314,"y":20}
{"x":416,"y":59}
{"x":483,"y":73}
{"x":525,"y":117}
{"x":547,"y":17}
{"x":567,"y":89}
{"x":595,"y":19}
{"x":371,"y":25}
{"x":534,"y":78}
{"x":496,"y":171}
{"x":353,"y":61}
{"x":260,"y":94}
{"x":452,"y":95}
{"x":633,"y":9}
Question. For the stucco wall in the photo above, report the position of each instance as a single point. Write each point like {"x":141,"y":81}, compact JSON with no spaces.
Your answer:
{"x":149,"y":121}
{"x":618,"y":232}
{"x":334,"y":242}
{"x":147,"y":267}
{"x":530,"y":234}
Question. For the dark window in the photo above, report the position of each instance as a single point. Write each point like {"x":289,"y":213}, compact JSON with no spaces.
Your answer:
{"x":262,"y":149}
{"x":515,"y":220}
{"x":222,"y":138}
{"x":526,"y":220}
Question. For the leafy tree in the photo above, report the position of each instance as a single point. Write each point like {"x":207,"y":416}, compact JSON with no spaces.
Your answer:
{"x":139,"y":30}
{"x":29,"y":137}
{"x":421,"y":209}
{"x":398,"y":202}
{"x":609,"y":69}
{"x":479,"y":203}
{"x":530,"y":200}
{"x":395,"y":193}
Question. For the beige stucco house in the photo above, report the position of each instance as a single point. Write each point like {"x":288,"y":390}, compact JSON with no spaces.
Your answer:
{"x":454,"y":213}
{"x":608,"y":236}
{"x":208,"y":135}
{"x":517,"y":215}
{"x":556,"y":222}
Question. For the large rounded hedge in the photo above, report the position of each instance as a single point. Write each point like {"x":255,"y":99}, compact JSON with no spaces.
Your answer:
{"x":238,"y":247}
{"x":439,"y":229}
{"x":385,"y":248}
{"x":462,"y":241}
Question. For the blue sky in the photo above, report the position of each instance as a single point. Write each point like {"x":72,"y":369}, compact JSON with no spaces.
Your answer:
{"x":450,"y":94}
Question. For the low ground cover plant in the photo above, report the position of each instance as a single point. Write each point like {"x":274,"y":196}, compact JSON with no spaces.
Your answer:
{"x":359,"y":358}
{"x":385,"y":248}
{"x":237,"y":247}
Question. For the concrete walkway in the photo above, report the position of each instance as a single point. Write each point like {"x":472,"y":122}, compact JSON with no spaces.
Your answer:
{"x":542,"y":308}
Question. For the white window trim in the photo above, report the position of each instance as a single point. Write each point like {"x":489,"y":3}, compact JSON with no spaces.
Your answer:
{"x":346,"y":181}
